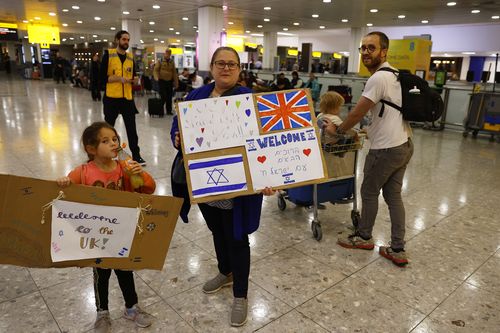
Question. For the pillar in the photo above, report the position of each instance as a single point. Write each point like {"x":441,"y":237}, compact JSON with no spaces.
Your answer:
{"x":306,"y":57}
{"x":134,"y":29}
{"x":210,"y":24}
{"x":270,"y":50}
{"x":357,"y":35}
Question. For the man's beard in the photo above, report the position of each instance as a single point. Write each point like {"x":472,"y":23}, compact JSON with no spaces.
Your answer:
{"x":374,"y":63}
{"x":124,"y":47}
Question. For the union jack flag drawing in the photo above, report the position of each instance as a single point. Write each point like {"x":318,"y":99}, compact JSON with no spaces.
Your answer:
{"x":284,"y":110}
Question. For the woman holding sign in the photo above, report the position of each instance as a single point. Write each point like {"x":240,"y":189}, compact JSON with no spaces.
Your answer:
{"x":231,"y":221}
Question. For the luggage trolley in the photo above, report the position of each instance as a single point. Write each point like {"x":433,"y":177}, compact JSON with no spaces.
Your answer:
{"x":340,"y":188}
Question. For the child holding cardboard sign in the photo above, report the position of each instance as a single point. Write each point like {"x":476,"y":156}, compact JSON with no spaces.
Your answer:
{"x":102,"y":143}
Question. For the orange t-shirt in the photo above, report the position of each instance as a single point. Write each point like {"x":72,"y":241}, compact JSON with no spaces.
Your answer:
{"x":90,"y":174}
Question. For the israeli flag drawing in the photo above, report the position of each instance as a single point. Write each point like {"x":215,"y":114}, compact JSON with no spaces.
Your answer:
{"x":217,"y":175}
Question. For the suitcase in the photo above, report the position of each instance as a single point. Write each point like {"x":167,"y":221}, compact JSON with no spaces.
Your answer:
{"x":155,"y":107}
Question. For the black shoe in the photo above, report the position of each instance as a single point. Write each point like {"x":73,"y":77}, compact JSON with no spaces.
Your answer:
{"x":140,"y":161}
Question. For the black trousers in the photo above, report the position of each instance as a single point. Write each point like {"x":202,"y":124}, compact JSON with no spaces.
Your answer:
{"x":101,"y":287}
{"x":233,"y":256}
{"x":59,"y":74}
{"x":166,"y":94}
{"x":115,"y":106}
{"x":96,"y":93}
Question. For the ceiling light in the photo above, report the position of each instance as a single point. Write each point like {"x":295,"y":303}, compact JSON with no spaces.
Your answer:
{"x":451,"y":4}
{"x":71,"y":38}
{"x":266,"y":20}
{"x":224,"y":7}
{"x":152,"y":22}
{"x":151,"y":31}
{"x":79,"y":22}
{"x":171,"y":29}
{"x":373,"y":10}
{"x":178,"y":40}
{"x":65,"y":24}
{"x":113,"y":28}
{"x":296,"y":23}
{"x":94,"y":36}
{"x":65,"y":10}
{"x":156,"y":7}
{"x":155,"y":39}
{"x":125,"y":12}
{"x":64,"y":39}
{"x":97,"y":18}
{"x":284,"y":33}
{"x":185,"y":18}
{"x":425,"y":21}
{"x":496,"y":17}
{"x":25,"y":21}
{"x":345,"y":20}
{"x":52,"y":14}
{"x":468,"y":52}
{"x":82,"y":37}
{"x":37,"y":18}
{"x":315,"y":15}
{"x":285,"y":29}
{"x":230,"y":23}
{"x":257,"y":35}
{"x":195,"y":27}
{"x":322,"y":27}
{"x":142,"y":42}
{"x":327,"y":1}
{"x":162,"y":41}
{"x":259,"y":26}
{"x":369,"y":24}
{"x":401,"y":16}
{"x":75,"y":7}
{"x":101,"y":0}
{"x":475,"y":11}
{"x":247,"y":31}
{"x":267,"y":8}
{"x":177,"y":33}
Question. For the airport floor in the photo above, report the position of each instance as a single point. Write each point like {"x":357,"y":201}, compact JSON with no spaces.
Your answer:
{"x":297,"y":284}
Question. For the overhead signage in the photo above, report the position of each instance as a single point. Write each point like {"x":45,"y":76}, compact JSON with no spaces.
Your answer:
{"x":8,"y":33}
{"x":38,"y":33}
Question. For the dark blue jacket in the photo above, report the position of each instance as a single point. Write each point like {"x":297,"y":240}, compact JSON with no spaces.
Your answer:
{"x":246,"y":209}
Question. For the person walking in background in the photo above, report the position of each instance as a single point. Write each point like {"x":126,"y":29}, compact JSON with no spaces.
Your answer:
{"x":313,"y":84}
{"x":390,"y":151}
{"x":166,"y":75}
{"x":118,"y":74}
{"x":231,"y":221}
{"x":95,"y":86}
{"x":59,"y":63}
{"x":101,"y":143}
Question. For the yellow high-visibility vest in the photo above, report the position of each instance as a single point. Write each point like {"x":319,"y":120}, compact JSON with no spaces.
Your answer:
{"x":126,"y":70}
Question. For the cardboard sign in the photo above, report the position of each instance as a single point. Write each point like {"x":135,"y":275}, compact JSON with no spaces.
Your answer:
{"x":25,"y":241}
{"x":83,"y":231}
{"x":237,"y":145}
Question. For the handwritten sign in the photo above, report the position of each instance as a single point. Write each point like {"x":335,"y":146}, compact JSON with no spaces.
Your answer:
{"x":217,"y":123}
{"x":238,"y":145}
{"x":285,"y":158}
{"x":84,"y":231}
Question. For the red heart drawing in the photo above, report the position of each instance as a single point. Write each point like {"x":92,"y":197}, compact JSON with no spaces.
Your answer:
{"x":306,"y":151}
{"x":261,"y":159}
{"x":202,"y":129}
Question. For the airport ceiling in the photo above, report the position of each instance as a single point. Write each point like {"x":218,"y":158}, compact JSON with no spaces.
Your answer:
{"x":169,"y":21}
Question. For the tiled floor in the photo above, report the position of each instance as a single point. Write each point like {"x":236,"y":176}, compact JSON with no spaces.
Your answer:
{"x":297,"y":284}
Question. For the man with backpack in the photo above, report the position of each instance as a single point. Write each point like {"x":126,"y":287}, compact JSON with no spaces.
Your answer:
{"x":390,"y":151}
{"x":166,"y":75}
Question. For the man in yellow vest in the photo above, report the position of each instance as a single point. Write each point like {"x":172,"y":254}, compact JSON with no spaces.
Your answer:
{"x":166,"y":75}
{"x":118,"y":73}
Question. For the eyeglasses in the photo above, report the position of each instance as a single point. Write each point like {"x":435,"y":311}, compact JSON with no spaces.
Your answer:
{"x":220,"y":64}
{"x":369,"y":48}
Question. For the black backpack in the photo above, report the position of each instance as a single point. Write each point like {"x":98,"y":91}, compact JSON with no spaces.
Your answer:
{"x":419,"y":101}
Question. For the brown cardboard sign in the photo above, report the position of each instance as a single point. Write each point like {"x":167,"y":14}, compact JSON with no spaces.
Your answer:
{"x":25,"y":241}
{"x":240,"y":144}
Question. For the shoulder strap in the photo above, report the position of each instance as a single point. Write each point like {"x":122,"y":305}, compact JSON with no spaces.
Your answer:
{"x":383,"y":101}
{"x":388,"y":69}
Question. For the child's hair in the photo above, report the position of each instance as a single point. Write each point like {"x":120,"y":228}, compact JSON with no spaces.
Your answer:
{"x":330,"y":101}
{"x":90,"y":136}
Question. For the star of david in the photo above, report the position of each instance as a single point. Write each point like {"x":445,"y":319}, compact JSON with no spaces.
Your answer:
{"x":216,"y":176}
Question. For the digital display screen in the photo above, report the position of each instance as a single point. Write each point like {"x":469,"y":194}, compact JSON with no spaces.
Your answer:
{"x":8,"y":34}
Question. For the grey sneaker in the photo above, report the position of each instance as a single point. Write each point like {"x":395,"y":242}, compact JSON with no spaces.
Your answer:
{"x":214,"y":285}
{"x":102,"y":322}
{"x":139,"y":316}
{"x":239,"y":311}
{"x":398,"y":258}
{"x":354,"y":241}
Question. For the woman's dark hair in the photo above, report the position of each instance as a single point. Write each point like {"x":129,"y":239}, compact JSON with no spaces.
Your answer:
{"x":120,"y":33}
{"x":294,"y":73}
{"x":224,"y":48}
{"x":90,"y":136}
